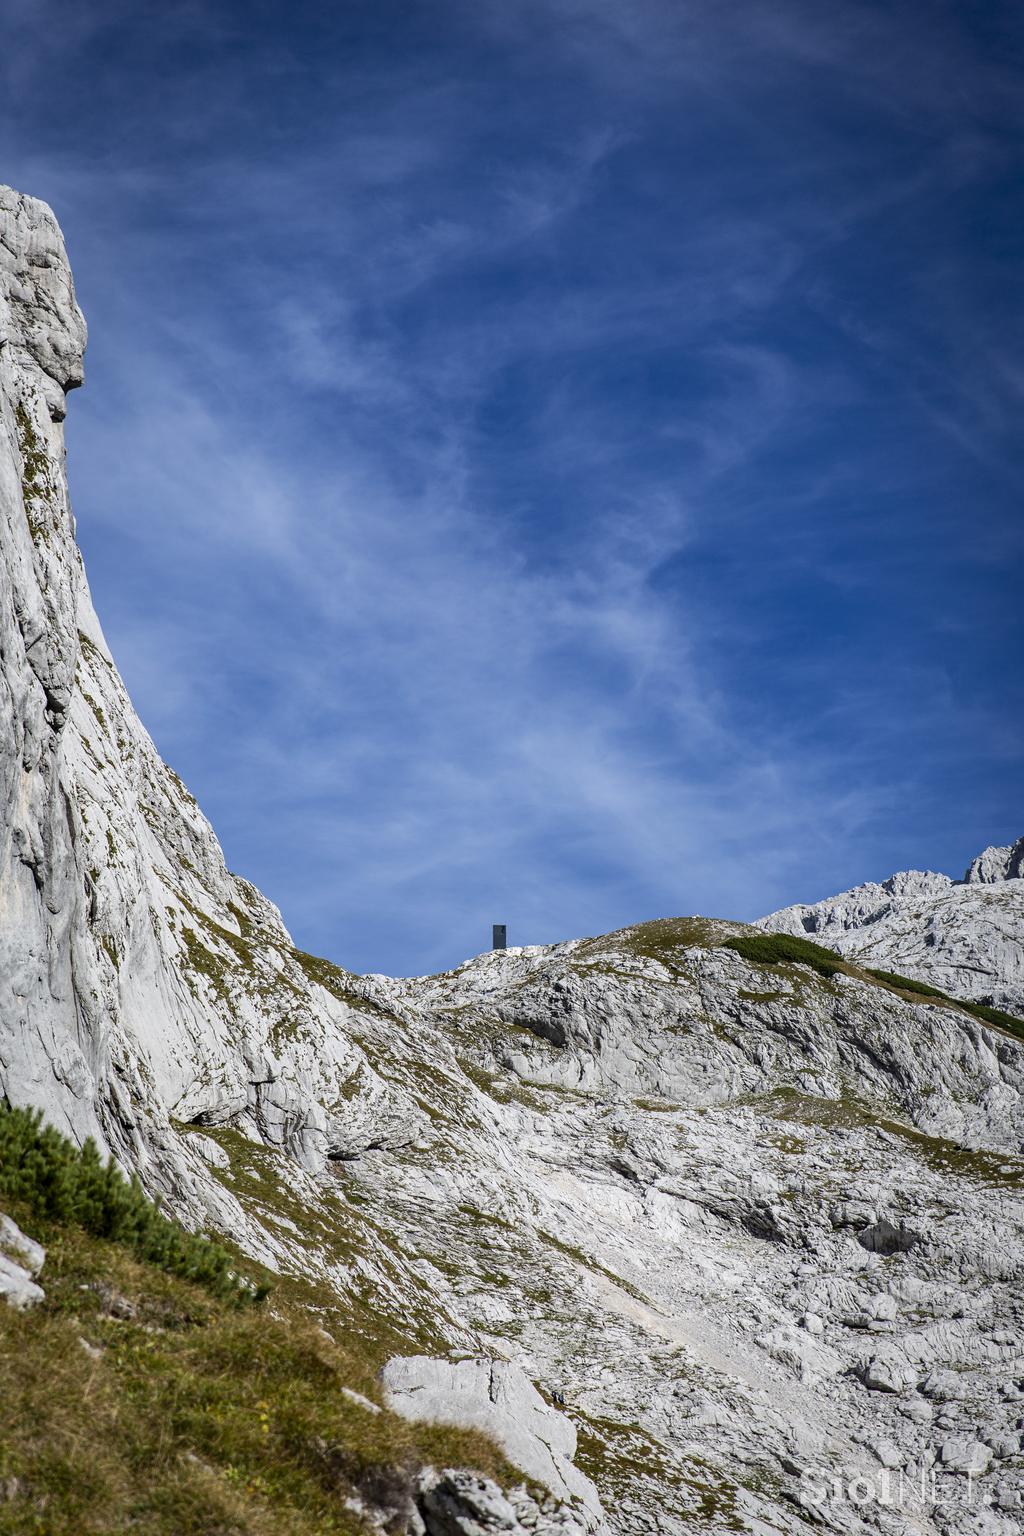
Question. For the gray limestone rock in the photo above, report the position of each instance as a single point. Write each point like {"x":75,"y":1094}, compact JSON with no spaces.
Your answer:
{"x":966,"y":1456}
{"x":21,"y":1259}
{"x":494,"y":1396}
{"x":460,"y":1503}
{"x":996,"y":865}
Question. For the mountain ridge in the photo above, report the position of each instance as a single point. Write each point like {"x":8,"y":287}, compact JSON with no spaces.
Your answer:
{"x":964,"y":936}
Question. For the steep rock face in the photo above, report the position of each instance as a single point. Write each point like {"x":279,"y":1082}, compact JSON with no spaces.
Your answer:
{"x":964,"y":936}
{"x":145,"y":991}
{"x":756,"y":1229}
{"x":114,"y":1014}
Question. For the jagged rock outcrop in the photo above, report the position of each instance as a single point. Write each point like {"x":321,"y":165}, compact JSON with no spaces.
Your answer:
{"x":755,"y":1229}
{"x":997,"y":864}
{"x":964,"y":936}
{"x":147,"y":995}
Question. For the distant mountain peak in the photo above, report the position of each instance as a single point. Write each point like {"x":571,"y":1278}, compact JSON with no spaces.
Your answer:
{"x":996,"y":864}
{"x":964,"y":936}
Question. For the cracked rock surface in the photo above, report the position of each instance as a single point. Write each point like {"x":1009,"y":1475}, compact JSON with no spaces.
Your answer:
{"x":741,"y":1240}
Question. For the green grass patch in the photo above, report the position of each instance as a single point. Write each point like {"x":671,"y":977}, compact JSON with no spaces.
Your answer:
{"x":335,"y":1232}
{"x":772,"y":949}
{"x":110,"y":949}
{"x":996,"y":1016}
{"x":134,"y":1401}
{"x":203,"y":961}
{"x":183,"y":792}
{"x":662,"y":939}
{"x":906,"y":983}
{"x":92,"y":650}
{"x":101,"y":718}
{"x":633,"y":1468}
{"x":997,"y":1169}
{"x":35,"y":482}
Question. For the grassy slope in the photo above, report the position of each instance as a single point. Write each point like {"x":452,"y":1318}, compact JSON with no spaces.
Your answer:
{"x":159,"y":1390}
{"x":187,"y":1415}
{"x":784,"y":948}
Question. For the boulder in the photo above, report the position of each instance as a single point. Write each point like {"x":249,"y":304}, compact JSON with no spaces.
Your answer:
{"x":496,"y":1397}
{"x":969,"y":1457}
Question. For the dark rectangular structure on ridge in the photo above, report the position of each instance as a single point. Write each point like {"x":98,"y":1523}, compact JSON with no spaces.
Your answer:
{"x":499,"y":936}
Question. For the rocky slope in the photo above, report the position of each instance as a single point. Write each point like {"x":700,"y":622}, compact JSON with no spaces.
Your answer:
{"x":964,"y":936}
{"x":721,"y":1235}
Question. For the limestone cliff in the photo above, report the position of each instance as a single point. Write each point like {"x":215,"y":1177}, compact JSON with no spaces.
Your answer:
{"x":119,"y":918}
{"x":755,"y":1223}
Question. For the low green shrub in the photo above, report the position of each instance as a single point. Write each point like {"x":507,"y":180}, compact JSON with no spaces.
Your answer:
{"x":980,"y":1011}
{"x":907,"y":984}
{"x":996,"y":1016}
{"x":52,"y":1180}
{"x":778,"y":948}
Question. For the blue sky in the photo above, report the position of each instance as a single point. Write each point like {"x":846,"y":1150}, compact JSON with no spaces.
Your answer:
{"x":557,"y":462}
